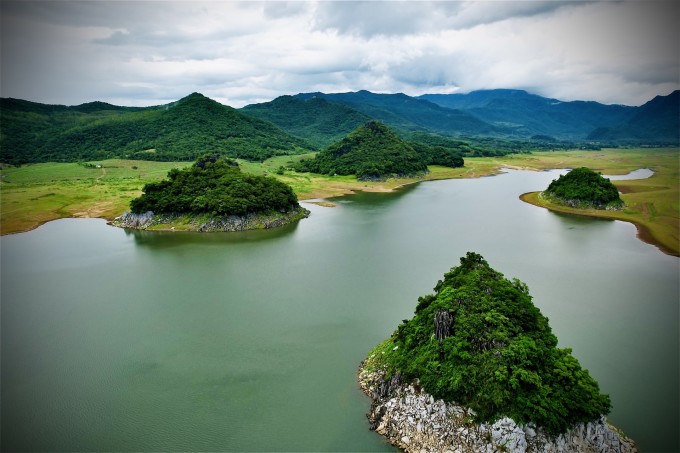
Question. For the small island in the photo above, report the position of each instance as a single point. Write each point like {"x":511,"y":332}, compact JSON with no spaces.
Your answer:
{"x":478,"y":367}
{"x":213,"y":195}
{"x":583,"y":188}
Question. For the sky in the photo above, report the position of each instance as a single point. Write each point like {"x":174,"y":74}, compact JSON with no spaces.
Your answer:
{"x":141,"y":53}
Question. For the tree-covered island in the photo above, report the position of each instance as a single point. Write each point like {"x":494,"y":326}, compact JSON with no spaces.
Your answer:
{"x":374,"y":152}
{"x":479,"y":344}
{"x":213,"y":195}
{"x":583,"y":188}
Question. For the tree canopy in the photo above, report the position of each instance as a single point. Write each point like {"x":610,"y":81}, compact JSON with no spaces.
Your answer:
{"x":372,"y":151}
{"x":583,"y":187}
{"x":33,"y":132}
{"x":480,"y":342}
{"x":216,"y":187}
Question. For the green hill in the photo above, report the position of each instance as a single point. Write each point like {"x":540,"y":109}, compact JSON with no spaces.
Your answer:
{"x":317,"y":120}
{"x":480,"y":342}
{"x":527,"y":114}
{"x":182,"y":130}
{"x":372,"y":151}
{"x":656,"y":122}
{"x":216,"y":187}
{"x":584,"y":188}
{"x":407,"y":113}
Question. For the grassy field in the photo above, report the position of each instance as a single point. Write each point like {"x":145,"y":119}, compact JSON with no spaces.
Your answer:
{"x":33,"y":194}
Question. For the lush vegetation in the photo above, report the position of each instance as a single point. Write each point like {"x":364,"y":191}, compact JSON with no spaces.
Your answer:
{"x":217,"y":187}
{"x":317,"y":120}
{"x":529,"y":115}
{"x":35,"y":193}
{"x":370,"y":152}
{"x":183,"y":130}
{"x":583,"y":187}
{"x":407,"y":113}
{"x":480,"y":342}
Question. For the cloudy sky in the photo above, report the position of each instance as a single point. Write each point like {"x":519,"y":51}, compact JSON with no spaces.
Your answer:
{"x":153,"y":52}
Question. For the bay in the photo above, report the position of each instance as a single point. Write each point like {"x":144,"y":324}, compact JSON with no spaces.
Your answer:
{"x":119,"y":341}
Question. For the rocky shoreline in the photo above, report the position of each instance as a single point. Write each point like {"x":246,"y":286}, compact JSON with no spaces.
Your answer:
{"x":207,"y":223}
{"x":414,"y":421}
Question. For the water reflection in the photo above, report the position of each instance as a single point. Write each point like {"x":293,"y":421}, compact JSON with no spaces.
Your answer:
{"x":169,"y":239}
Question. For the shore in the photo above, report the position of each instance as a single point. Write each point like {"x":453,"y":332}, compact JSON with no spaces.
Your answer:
{"x":645,"y":233}
{"x":37,"y":193}
{"x":207,"y":223}
{"x":414,"y":421}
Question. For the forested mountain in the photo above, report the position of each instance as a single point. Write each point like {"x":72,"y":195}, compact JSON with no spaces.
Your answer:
{"x":407,"y":113}
{"x":317,"y":120}
{"x":372,"y":151}
{"x":182,"y":130}
{"x":481,"y":123}
{"x":529,"y":114}
{"x":656,"y":121}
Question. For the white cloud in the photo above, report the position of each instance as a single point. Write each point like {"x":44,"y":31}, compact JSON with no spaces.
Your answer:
{"x":142,"y":53}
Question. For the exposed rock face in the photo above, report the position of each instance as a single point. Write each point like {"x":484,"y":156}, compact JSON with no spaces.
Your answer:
{"x":206,"y":223}
{"x":414,"y":421}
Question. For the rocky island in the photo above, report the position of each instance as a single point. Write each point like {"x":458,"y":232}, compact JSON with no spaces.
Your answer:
{"x":478,"y":369}
{"x":213,"y":195}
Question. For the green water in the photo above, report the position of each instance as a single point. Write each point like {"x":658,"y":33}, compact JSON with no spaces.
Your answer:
{"x":122,"y":341}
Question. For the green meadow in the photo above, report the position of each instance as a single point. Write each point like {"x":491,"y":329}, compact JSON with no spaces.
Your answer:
{"x":36,"y":193}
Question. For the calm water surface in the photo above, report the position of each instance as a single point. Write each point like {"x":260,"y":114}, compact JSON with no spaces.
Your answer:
{"x":119,"y":341}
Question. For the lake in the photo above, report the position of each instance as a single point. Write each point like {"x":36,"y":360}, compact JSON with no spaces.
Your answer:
{"x":116,"y":341}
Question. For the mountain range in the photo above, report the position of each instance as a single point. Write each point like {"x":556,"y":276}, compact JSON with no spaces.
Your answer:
{"x":195,"y":125}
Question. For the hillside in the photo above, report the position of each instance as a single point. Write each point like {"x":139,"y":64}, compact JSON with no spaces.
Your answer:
{"x":317,"y":120}
{"x":182,"y":130}
{"x":480,"y":342}
{"x":407,"y":113}
{"x":372,"y":151}
{"x":529,"y":114}
{"x":656,"y":121}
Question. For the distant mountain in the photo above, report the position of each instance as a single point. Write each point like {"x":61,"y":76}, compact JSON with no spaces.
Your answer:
{"x":407,"y":113}
{"x":658,"y":120}
{"x":372,"y":151}
{"x":317,"y":120}
{"x":529,"y":114}
{"x":183,"y":130}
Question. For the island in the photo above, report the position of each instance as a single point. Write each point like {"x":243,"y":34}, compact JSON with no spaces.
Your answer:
{"x":584,"y":189}
{"x":478,"y":369}
{"x":213,"y":195}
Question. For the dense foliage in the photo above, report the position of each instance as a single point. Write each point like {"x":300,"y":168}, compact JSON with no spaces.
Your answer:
{"x":33,"y":132}
{"x":479,"y":341}
{"x":370,"y":152}
{"x":216,"y":187}
{"x":317,"y":120}
{"x":403,"y":112}
{"x":583,"y":187}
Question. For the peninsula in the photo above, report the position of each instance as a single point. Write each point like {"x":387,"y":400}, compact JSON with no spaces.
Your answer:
{"x":213,"y":195}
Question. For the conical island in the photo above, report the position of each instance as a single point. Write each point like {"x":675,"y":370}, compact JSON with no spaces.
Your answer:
{"x":479,"y":366}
